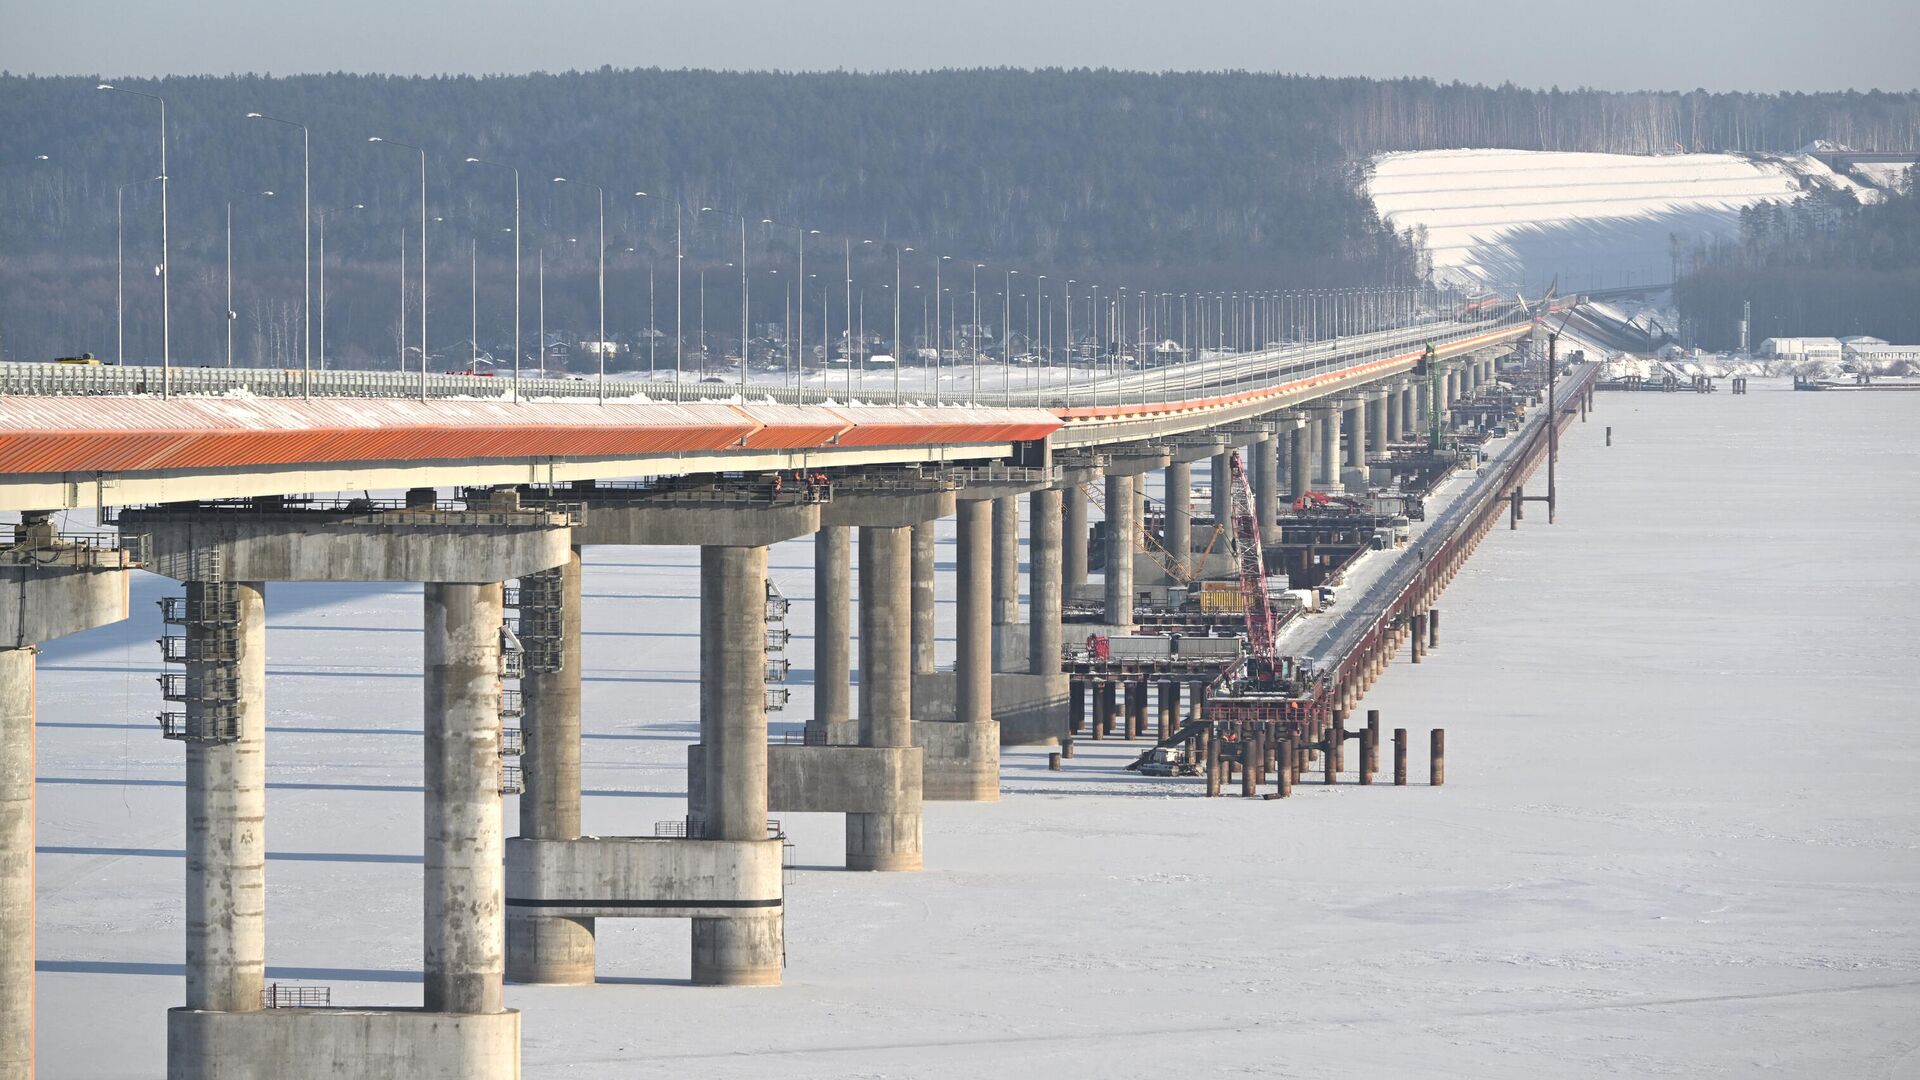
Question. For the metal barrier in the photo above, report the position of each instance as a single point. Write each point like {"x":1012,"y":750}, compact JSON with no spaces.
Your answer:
{"x":1167,"y":383}
{"x":276,"y":996}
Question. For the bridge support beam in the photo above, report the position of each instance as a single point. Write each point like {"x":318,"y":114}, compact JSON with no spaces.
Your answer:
{"x":1006,"y":560}
{"x":1265,"y":477}
{"x":1301,"y":458}
{"x":543,"y":948}
{"x":1219,"y":481}
{"x":1073,"y":517}
{"x":465,"y":887}
{"x":740,"y":951}
{"x":1376,"y":425}
{"x":889,"y":839}
{"x":38,"y":602}
{"x":923,"y":599}
{"x":1121,"y":532}
{"x":832,"y":629}
{"x":1044,"y":578}
{"x":1179,"y":517}
{"x":1327,"y":476}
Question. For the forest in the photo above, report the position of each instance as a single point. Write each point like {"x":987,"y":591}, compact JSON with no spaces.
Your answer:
{"x":1823,"y":265}
{"x":1168,"y":182}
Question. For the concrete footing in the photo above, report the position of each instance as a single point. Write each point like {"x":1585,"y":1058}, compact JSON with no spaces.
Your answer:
{"x":343,"y":1044}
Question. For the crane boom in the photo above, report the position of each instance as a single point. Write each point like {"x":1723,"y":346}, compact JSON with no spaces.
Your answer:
{"x":1261,"y":628}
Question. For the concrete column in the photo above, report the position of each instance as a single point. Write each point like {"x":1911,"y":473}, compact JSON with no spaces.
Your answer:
{"x":1043,"y":583}
{"x":465,"y":878}
{"x":226,"y":826}
{"x":1420,"y":405}
{"x":1220,"y":479}
{"x":1073,"y":550}
{"x":1006,"y":561}
{"x":1356,"y":421}
{"x":1376,"y":425}
{"x":543,"y":949}
{"x":923,"y":598}
{"x":1328,"y":474}
{"x":1179,"y":502}
{"x":1266,"y":480}
{"x":973,"y":663}
{"x":1299,"y":484}
{"x":1391,"y":406}
{"x":890,"y":839}
{"x":1121,"y":529}
{"x":16,"y":862}
{"x":832,"y":627}
{"x":733,"y":731}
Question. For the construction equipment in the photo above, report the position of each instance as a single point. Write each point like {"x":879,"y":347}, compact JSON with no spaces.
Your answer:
{"x":1262,"y":630}
{"x":1318,"y":500}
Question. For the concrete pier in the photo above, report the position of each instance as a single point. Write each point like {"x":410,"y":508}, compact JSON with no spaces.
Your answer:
{"x":1327,"y":463}
{"x":1006,"y":561}
{"x":16,"y":861}
{"x":1391,"y":406}
{"x":1220,"y":485}
{"x":1179,"y":516}
{"x":923,"y":597}
{"x":543,"y":948}
{"x":1302,"y":460}
{"x":1376,"y":424}
{"x":1266,"y":482}
{"x":1044,"y":578}
{"x":48,"y":589}
{"x":886,"y":840}
{"x":832,"y":629}
{"x":465,"y":890}
{"x":1356,"y":421}
{"x":973,"y":637}
{"x":740,"y":951}
{"x":1121,"y":530}
{"x":1073,"y":516}
{"x":226,"y":809}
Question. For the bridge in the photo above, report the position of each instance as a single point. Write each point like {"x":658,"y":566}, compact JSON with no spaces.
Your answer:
{"x":221,"y":479}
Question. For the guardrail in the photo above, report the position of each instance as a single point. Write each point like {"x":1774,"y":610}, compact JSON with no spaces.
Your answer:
{"x":1093,"y":385}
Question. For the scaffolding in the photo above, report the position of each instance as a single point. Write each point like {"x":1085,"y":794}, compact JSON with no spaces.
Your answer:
{"x":207,"y":650}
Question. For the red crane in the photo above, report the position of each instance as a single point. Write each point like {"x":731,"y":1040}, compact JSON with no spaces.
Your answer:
{"x":1261,"y":626}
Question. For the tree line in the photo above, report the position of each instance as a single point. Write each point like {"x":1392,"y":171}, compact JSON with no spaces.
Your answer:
{"x":1170,"y":182}
{"x":1822,"y":265}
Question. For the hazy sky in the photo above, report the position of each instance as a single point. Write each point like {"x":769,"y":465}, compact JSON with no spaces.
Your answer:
{"x":1628,"y":44}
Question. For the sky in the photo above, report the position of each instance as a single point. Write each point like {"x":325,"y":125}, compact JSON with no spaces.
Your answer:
{"x":1627,"y":45}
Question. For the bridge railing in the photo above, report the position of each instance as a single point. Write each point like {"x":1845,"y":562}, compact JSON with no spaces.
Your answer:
{"x":1208,"y":376}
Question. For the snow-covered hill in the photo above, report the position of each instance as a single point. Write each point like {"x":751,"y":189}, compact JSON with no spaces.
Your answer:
{"x":1504,"y":218}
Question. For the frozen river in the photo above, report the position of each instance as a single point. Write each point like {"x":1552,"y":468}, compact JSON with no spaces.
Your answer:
{"x":1679,"y":835}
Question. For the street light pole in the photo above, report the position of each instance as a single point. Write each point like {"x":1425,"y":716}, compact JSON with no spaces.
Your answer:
{"x":516,"y":267}
{"x":166,"y":270}
{"x":323,"y":215}
{"x":306,"y":221}
{"x":423,"y":254}
{"x":973,"y":335}
{"x":230,"y":312}
{"x":120,"y":271}
{"x":599,"y":346}
{"x":1006,"y":342}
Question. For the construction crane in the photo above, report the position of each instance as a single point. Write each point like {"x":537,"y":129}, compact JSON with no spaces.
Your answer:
{"x":1262,"y":628}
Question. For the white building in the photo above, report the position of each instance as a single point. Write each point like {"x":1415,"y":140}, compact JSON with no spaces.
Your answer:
{"x":1802,"y":349}
{"x":1875,"y":355}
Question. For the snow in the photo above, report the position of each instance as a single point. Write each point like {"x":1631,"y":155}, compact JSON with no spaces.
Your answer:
{"x":1503,"y":218}
{"x":1679,"y":835}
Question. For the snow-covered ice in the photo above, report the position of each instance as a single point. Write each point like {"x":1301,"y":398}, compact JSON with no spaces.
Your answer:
{"x":1678,"y":838}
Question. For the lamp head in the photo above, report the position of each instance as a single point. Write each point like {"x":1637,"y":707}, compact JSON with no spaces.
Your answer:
{"x":253,"y":116}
